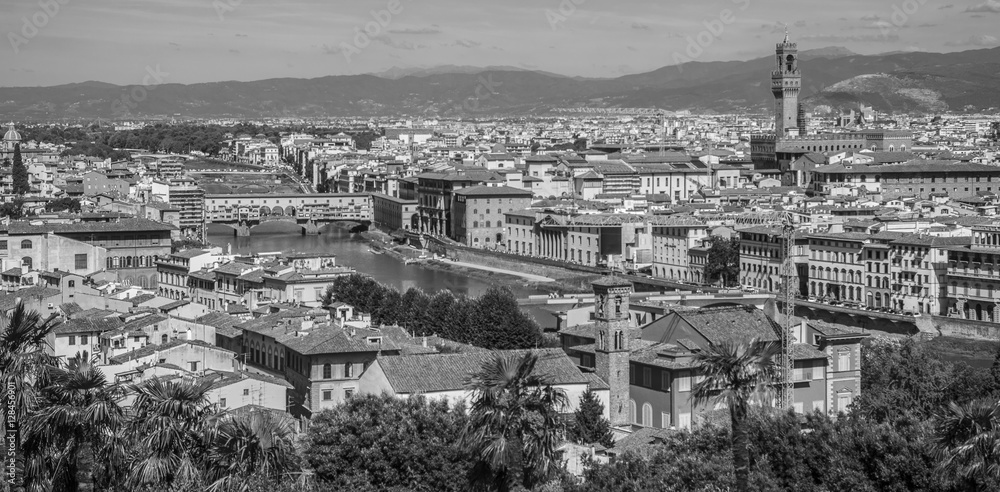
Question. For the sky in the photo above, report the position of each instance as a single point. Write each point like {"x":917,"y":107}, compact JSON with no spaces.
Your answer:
{"x":188,"y":41}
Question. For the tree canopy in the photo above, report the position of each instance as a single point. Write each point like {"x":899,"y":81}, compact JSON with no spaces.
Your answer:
{"x":723,"y":261}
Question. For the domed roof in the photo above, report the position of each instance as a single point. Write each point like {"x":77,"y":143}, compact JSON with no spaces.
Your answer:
{"x":11,"y":135}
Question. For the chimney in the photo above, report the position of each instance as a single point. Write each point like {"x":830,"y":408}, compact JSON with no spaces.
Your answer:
{"x":425,"y":342}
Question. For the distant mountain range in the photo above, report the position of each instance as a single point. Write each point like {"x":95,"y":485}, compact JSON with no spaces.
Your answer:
{"x":832,"y":77}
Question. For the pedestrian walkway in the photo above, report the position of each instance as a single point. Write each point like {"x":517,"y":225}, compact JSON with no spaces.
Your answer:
{"x":528,"y":276}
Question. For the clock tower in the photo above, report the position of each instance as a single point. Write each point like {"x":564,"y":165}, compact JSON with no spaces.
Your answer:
{"x":614,"y":342}
{"x":786,"y":83}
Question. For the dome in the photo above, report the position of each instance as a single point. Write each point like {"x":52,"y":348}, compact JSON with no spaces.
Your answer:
{"x":11,"y":135}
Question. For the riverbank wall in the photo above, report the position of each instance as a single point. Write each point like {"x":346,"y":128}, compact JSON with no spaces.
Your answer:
{"x":966,"y":328}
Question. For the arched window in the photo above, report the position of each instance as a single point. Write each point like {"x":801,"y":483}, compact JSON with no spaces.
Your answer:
{"x":71,"y":284}
{"x":163,"y":338}
{"x":647,"y":415}
{"x":327,"y":371}
{"x":26,"y":263}
{"x":631,"y":412}
{"x":26,"y":244}
{"x":475,"y":224}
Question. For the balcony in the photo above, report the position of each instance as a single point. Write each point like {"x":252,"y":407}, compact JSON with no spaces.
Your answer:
{"x":962,"y":271}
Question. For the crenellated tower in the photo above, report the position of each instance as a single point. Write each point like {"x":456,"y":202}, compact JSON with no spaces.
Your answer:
{"x":786,"y":83}
{"x":614,"y":343}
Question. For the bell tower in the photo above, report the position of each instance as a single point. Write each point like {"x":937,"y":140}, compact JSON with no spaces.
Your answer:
{"x":614,"y":342}
{"x":786,"y":83}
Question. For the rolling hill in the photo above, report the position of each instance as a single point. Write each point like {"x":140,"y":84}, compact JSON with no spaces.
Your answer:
{"x":912,"y":82}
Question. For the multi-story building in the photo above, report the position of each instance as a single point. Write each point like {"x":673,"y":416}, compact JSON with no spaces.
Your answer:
{"x":835,"y":265}
{"x":393,"y":214}
{"x":674,"y":175}
{"x":95,"y":183}
{"x":762,"y":254}
{"x":919,"y":272}
{"x":127,"y":248}
{"x":478,"y":214}
{"x":173,"y":271}
{"x":916,"y":178}
{"x":662,"y":369}
{"x":435,"y":196}
{"x":673,"y":239}
{"x":973,"y":277}
{"x":186,"y":195}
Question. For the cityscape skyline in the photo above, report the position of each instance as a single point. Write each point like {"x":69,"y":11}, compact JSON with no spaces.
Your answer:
{"x":201,"y":41}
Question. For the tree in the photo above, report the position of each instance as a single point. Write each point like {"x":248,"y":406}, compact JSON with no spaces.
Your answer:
{"x":902,"y":381}
{"x":63,"y":204}
{"x":385,"y":443}
{"x":247,"y":448}
{"x":169,"y":421}
{"x":13,"y":209}
{"x":968,"y":440}
{"x":737,"y":375}
{"x":75,"y":431}
{"x":503,"y":324}
{"x":723,"y":261}
{"x":19,"y":173}
{"x":590,"y":426}
{"x":514,"y":426}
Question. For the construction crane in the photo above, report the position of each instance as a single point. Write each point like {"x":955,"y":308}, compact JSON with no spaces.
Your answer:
{"x":786,"y":221}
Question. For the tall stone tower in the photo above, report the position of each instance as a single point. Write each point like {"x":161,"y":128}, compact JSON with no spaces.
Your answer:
{"x":786,"y":82}
{"x":614,"y":343}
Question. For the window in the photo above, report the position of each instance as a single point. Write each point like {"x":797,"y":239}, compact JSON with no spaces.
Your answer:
{"x":348,"y":392}
{"x":665,"y":420}
{"x":222,"y":402}
{"x":647,"y":378}
{"x":348,"y":370}
{"x":684,"y":382}
{"x":631,"y":412}
{"x":80,"y":261}
{"x":71,"y":284}
{"x":647,"y":415}
{"x":194,"y":365}
{"x":72,"y":340}
{"x":327,"y":371}
{"x":83,"y":339}
{"x":26,"y":244}
{"x":665,"y":381}
{"x":684,"y":421}
{"x":246,"y":391}
{"x":3,"y":245}
{"x":327,"y":395}
{"x":844,"y":360}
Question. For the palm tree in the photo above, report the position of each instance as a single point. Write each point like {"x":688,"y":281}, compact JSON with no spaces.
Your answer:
{"x":23,"y":354}
{"x":74,"y":430}
{"x":256,"y":446}
{"x":514,"y":425}
{"x":737,"y":375}
{"x":169,"y":420}
{"x":968,"y":443}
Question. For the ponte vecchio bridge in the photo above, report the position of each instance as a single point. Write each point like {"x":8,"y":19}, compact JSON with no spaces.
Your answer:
{"x":310,"y":211}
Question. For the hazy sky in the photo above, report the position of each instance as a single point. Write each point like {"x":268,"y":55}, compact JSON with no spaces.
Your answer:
{"x":212,"y":40}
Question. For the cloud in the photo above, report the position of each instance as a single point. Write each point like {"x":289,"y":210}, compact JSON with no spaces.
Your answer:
{"x":980,"y":40}
{"x":989,"y":7}
{"x":242,"y":35}
{"x":466,"y":43}
{"x":392,"y":43}
{"x":640,"y":26}
{"x":864,"y":38}
{"x":434,"y":29}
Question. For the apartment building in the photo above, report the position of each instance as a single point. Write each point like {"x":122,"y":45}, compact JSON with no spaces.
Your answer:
{"x":673,"y":238}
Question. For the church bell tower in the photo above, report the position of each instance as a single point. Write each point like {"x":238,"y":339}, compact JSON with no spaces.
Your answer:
{"x":786,"y":83}
{"x":614,"y":342}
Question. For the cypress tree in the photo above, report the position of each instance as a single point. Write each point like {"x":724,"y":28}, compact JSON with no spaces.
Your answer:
{"x":590,"y":425}
{"x":19,"y":173}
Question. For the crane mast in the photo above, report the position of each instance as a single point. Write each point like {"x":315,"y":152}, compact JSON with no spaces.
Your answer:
{"x":787,"y":294}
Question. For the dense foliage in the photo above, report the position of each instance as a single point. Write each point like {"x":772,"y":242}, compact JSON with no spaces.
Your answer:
{"x":723,"y":263}
{"x":64,"y":204}
{"x":493,"y":320}
{"x":385,"y":443}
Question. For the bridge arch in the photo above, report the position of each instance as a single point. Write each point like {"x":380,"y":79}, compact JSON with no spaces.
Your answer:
{"x":277,"y":210}
{"x":265,"y":211}
{"x":290,"y":211}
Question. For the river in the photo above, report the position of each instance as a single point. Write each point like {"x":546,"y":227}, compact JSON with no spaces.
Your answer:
{"x":353,"y":252}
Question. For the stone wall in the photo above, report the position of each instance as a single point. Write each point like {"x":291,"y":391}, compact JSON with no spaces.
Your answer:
{"x":966,"y":328}
{"x":496,"y":259}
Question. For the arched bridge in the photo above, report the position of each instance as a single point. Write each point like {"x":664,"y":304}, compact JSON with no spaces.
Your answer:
{"x":310,"y":211}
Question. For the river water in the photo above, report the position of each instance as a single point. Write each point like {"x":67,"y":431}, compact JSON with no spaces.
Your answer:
{"x":353,"y":252}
